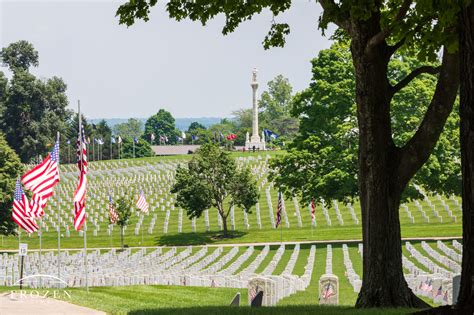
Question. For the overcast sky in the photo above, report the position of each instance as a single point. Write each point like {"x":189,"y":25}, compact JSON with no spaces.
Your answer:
{"x":190,"y":70}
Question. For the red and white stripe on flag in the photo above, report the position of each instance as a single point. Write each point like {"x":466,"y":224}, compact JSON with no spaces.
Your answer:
{"x":20,"y":208}
{"x":141,"y":203}
{"x":80,"y":193}
{"x":42,"y":178}
{"x":37,"y":205}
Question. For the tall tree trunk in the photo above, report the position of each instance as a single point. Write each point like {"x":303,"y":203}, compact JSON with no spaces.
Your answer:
{"x":466,"y":45}
{"x":383,"y":283}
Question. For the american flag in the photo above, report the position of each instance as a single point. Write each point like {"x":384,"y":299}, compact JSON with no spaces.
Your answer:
{"x":113,"y":215}
{"x":141,"y":202}
{"x":20,"y":208}
{"x":313,"y":207}
{"x":279,"y":208}
{"x":253,"y":293}
{"x":424,"y":285}
{"x":429,"y":287}
{"x":42,"y":178}
{"x":80,"y":194}
{"x":37,"y":205}
{"x":328,"y":292}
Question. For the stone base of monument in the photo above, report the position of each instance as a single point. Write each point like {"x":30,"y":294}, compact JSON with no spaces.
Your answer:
{"x":329,"y":289}
{"x":258,"y":146}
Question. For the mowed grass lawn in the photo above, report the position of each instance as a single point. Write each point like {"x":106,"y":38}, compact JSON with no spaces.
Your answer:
{"x":192,"y":300}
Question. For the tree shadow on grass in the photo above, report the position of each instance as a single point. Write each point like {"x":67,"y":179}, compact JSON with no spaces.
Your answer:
{"x":195,"y":238}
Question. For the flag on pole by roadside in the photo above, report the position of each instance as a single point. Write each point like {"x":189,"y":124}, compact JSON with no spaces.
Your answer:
{"x":42,"y":178}
{"x":113,"y":215}
{"x":279,"y":208}
{"x":141,"y":202}
{"x":135,"y":140}
{"x":152,"y":137}
{"x":183,"y":135}
{"x":119,"y":139}
{"x":80,"y":194}
{"x":20,"y":208}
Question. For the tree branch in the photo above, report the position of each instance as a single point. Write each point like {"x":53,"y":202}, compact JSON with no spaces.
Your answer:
{"x":412,"y":75}
{"x":417,"y":150}
{"x":392,"y":49}
{"x":383,"y":34}
{"x":337,"y":16}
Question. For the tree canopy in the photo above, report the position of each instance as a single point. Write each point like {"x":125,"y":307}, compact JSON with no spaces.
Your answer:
{"x":20,"y":55}
{"x":327,"y":142}
{"x":161,"y":124}
{"x":10,"y":169}
{"x":213,"y":179}
{"x":32,"y":110}
{"x":133,"y":128}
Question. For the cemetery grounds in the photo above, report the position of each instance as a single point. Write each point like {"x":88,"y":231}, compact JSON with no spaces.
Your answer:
{"x":185,"y":277}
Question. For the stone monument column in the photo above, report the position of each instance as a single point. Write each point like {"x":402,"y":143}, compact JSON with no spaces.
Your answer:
{"x":255,"y":136}
{"x":255,"y":142}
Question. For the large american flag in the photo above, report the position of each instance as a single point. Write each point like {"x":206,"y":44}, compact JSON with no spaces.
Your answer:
{"x":80,"y":194}
{"x":37,"y":205}
{"x":328,"y":292}
{"x":141,"y":202}
{"x":313,"y":207}
{"x":42,"y":178}
{"x":279,"y":208}
{"x":20,"y":208}
{"x":113,"y":215}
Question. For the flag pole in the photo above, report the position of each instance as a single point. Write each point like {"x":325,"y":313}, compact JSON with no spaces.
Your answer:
{"x":40,"y":248}
{"x":281,"y":233}
{"x":85,"y":220}
{"x":59,"y":225}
